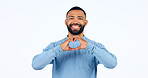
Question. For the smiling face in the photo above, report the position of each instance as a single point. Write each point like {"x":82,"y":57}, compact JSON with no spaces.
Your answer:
{"x":75,"y":22}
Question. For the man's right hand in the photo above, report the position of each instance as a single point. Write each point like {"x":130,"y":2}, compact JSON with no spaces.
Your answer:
{"x":65,"y":45}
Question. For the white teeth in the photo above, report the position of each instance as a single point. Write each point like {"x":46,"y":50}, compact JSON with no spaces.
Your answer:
{"x":75,"y":26}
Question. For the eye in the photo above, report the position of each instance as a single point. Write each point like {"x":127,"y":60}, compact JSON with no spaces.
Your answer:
{"x":80,"y":18}
{"x":70,"y":18}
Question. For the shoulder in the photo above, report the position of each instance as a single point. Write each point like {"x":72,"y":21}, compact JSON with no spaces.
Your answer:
{"x":54,"y":44}
{"x":96,"y":43}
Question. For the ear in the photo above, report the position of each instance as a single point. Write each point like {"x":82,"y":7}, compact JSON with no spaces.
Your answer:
{"x":66,"y":22}
{"x":86,"y":22}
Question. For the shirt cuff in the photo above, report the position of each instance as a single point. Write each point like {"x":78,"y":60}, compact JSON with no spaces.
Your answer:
{"x":58,"y":50}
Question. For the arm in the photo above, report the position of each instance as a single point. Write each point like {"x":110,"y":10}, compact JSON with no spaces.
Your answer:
{"x":39,"y":61}
{"x":105,"y":57}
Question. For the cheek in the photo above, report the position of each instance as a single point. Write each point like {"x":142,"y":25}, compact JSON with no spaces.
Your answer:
{"x":82,"y":22}
{"x":68,"y":23}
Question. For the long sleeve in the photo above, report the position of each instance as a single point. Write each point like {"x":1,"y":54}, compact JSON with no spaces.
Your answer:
{"x":39,"y":61}
{"x":103,"y":56}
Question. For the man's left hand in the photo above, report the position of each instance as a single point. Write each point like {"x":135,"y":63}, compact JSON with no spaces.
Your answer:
{"x":83,"y":43}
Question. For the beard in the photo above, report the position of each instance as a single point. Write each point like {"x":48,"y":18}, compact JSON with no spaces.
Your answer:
{"x":75,"y":32}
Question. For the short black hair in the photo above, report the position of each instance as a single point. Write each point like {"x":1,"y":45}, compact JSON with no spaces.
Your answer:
{"x":76,"y":8}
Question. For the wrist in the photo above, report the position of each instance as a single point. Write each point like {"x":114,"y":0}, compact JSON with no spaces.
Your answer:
{"x":89,"y":46}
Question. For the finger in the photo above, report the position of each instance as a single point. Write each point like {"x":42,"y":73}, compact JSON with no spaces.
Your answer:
{"x":78,"y":39}
{"x":75,"y":39}
{"x":81,"y":40}
{"x":71,"y":49}
{"x":67,"y":41}
{"x":78,"y":48}
{"x":70,"y":39}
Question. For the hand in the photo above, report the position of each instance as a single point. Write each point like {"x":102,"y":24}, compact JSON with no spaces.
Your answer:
{"x":83,"y":43}
{"x":65,"y":45}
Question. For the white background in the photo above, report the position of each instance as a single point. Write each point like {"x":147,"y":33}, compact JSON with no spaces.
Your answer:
{"x":28,"y":26}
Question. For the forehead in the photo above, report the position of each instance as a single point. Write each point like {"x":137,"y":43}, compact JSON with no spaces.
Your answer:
{"x":76,"y":13}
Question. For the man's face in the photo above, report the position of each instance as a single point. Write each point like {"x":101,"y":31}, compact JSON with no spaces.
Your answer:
{"x":75,"y":21}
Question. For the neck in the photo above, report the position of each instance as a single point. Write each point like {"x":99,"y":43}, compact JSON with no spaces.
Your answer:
{"x":71,"y":35}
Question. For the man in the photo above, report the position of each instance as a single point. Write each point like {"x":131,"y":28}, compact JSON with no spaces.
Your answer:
{"x":74,"y":56}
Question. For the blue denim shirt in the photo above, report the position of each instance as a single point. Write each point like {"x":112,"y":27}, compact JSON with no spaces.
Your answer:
{"x":80,"y":63}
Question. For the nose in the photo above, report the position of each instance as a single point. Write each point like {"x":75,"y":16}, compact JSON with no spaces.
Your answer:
{"x":75,"y":21}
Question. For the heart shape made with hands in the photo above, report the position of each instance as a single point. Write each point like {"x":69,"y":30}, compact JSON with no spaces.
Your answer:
{"x":74,"y":44}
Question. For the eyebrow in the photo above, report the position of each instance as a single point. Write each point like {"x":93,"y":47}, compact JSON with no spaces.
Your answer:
{"x":70,"y":16}
{"x":80,"y":16}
